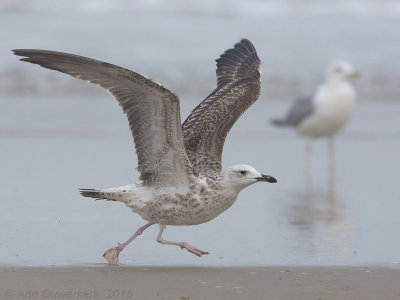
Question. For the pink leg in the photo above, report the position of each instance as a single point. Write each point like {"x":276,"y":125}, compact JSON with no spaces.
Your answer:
{"x":183,"y":245}
{"x":111,"y":255}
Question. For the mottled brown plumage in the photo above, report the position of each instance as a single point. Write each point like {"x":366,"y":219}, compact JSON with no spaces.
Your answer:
{"x":238,"y":87}
{"x":153,"y":112}
{"x":180,"y":166}
{"x":154,"y":115}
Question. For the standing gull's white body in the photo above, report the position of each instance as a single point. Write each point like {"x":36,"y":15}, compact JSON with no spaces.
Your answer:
{"x":325,"y":111}
{"x":333,"y":107}
{"x":182,"y":182}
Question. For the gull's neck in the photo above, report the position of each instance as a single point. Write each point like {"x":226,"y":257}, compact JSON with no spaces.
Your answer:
{"x":230,"y":188}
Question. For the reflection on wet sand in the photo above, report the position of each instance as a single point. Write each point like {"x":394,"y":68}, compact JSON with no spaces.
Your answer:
{"x":323,"y":221}
{"x":308,"y":186}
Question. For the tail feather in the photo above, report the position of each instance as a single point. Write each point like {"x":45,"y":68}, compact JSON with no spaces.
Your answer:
{"x":111,"y":194}
{"x":126,"y":194}
{"x":93,"y":193}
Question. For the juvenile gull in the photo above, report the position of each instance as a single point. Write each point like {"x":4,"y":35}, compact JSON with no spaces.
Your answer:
{"x":182,"y":182}
{"x":325,"y":111}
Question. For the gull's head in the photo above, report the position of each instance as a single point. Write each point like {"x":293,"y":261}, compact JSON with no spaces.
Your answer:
{"x":240,"y":176}
{"x":340,"y":70}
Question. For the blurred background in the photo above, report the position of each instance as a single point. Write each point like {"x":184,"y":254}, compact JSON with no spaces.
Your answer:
{"x":58,"y":134}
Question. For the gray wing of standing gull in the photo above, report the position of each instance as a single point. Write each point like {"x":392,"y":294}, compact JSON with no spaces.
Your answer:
{"x":238,"y":87}
{"x":153,"y":112}
{"x":301,"y":108}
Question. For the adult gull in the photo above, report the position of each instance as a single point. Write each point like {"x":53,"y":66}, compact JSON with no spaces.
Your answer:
{"x":323,"y":112}
{"x":181,"y":177}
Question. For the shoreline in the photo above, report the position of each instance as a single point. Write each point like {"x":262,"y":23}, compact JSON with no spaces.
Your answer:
{"x":124,"y":282}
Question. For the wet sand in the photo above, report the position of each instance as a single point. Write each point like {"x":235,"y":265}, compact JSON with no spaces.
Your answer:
{"x":319,"y":283}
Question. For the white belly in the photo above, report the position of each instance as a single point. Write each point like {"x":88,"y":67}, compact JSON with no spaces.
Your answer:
{"x":333,"y":108}
{"x":197,"y":205}
{"x":189,"y":210}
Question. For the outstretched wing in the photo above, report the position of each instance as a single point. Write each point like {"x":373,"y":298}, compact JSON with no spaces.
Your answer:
{"x":238,"y":87}
{"x":153,"y":112}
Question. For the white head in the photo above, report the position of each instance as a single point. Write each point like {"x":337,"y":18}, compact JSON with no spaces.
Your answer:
{"x":340,"y":70}
{"x":238,"y":177}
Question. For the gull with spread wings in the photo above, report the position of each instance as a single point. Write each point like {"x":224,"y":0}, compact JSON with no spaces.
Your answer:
{"x":182,"y":182}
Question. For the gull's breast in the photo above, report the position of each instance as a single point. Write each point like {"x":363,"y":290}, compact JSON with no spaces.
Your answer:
{"x":334,"y":108}
{"x":195,"y":207}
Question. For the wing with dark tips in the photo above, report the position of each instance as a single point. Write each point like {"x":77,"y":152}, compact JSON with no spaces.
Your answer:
{"x":238,"y":87}
{"x":153,"y":112}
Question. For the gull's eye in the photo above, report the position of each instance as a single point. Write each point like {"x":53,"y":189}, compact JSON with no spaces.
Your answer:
{"x":243,"y":172}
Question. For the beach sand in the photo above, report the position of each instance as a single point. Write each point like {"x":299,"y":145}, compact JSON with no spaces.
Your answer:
{"x":319,"y":283}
